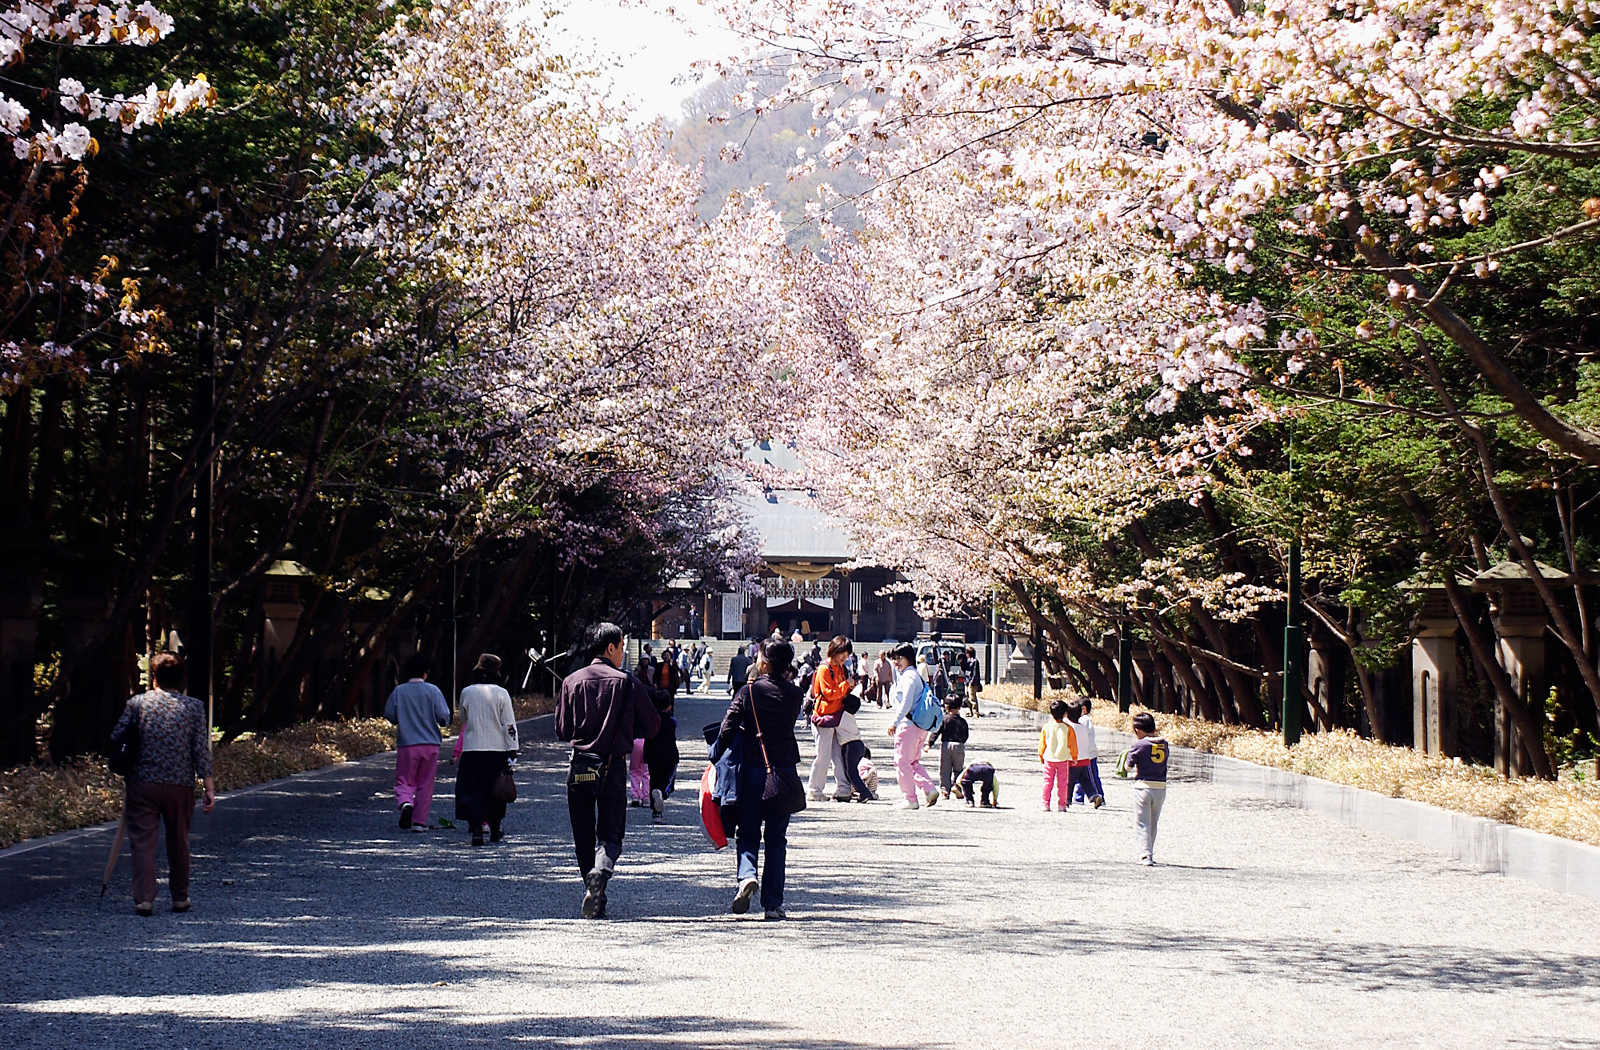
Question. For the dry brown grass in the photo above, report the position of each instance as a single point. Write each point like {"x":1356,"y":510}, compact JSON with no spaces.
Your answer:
{"x":533,"y":705}
{"x":1569,"y":807}
{"x":43,"y":799}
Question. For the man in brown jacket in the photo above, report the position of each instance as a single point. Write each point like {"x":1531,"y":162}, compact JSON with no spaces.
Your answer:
{"x":601,"y":711}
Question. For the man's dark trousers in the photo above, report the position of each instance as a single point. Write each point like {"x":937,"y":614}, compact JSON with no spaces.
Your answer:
{"x":599,"y":817}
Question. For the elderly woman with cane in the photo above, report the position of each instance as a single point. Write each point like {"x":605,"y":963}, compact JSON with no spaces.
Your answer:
{"x":171,"y":752}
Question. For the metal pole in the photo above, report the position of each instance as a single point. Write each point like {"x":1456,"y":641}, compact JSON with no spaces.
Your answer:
{"x":993,"y":643}
{"x":450,"y":639}
{"x":1124,"y":670}
{"x":1294,"y":635}
{"x":1038,"y":665}
{"x":1294,"y":640}
{"x":198,"y":656}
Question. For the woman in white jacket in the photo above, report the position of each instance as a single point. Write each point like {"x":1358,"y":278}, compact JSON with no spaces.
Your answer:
{"x":909,"y":738}
{"x":487,"y":747}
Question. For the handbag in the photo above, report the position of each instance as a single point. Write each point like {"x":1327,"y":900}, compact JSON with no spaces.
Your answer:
{"x":504,"y":788}
{"x":783,"y":793}
{"x":124,"y":755}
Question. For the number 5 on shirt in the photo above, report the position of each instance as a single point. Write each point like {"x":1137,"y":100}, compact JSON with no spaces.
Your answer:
{"x":1158,"y":754}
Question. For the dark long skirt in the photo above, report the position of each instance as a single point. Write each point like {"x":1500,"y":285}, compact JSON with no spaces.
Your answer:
{"x":474,"y":777}
{"x":661,"y":756}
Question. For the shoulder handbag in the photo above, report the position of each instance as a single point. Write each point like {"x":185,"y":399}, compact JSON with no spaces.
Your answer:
{"x":783,"y":792}
{"x":504,"y":788}
{"x":124,"y":756}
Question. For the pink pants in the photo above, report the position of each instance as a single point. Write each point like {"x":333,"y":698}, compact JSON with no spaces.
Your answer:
{"x":414,"y":767}
{"x":908,"y":744}
{"x":638,"y":776}
{"x":1060,"y":774}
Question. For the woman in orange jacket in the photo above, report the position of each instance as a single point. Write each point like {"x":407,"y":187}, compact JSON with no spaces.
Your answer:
{"x":828,"y":689}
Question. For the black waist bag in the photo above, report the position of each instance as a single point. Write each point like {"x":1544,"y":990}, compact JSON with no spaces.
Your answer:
{"x":124,"y":756}
{"x":587,"y":773}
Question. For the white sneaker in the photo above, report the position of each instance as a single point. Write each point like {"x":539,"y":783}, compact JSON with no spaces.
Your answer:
{"x":741,"y":901}
{"x":907,"y":803}
{"x":815,"y":796}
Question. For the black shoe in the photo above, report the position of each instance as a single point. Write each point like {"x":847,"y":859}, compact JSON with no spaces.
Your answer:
{"x":405,"y":815}
{"x":594,"y":895}
{"x":477,"y":838}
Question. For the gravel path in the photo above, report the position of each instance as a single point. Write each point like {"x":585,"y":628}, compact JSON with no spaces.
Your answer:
{"x":945,"y":927}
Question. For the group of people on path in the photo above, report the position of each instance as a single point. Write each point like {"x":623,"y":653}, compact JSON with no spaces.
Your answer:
{"x":485,"y":752}
{"x":608,"y":716}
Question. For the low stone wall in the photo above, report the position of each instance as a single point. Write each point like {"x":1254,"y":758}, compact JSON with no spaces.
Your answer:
{"x":1545,"y":860}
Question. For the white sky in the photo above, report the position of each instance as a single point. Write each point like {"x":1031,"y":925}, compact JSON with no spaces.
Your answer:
{"x":645,"y":50}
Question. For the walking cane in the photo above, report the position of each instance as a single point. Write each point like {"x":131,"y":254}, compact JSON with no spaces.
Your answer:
{"x":116,"y":849}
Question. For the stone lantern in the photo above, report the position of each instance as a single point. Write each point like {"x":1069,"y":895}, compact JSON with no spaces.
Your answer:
{"x":1520,"y":620}
{"x":282,"y":609}
{"x":1434,"y":679}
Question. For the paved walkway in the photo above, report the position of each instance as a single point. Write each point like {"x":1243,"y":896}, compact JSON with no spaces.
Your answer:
{"x":1263,"y":926}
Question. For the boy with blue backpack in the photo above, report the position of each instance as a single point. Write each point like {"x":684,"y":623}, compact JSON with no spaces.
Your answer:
{"x":917,"y":714}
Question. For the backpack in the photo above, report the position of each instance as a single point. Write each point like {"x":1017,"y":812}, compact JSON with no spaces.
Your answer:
{"x":926,"y":712}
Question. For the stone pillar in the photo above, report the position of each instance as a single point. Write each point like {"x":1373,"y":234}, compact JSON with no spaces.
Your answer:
{"x":1434,"y":686}
{"x":1324,"y":673}
{"x":1522,"y":655}
{"x":1519,"y":621}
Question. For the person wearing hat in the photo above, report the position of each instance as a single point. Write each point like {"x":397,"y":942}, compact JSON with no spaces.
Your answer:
{"x":1147,"y":761}
{"x":486,"y":748}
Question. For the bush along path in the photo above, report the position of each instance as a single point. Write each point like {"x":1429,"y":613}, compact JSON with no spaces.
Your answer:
{"x":43,"y":799}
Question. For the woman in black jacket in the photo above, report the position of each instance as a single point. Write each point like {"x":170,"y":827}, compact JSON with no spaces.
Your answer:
{"x":765,"y":712}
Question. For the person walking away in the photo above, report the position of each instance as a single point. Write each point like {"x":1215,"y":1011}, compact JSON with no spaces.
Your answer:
{"x":739,"y":671}
{"x":952,"y":740}
{"x":1088,"y":788}
{"x":763,"y":714}
{"x":684,"y":666}
{"x":706,"y":665}
{"x":974,"y":680}
{"x":173,"y":752}
{"x":485,"y":748}
{"x":1147,"y":759}
{"x":883,"y":673}
{"x":910,"y":701}
{"x":979,"y":778}
{"x":847,"y":738}
{"x":661,"y":756}
{"x":419,"y":710}
{"x":600,"y":712}
{"x":1058,"y":747}
{"x":829,"y":686}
